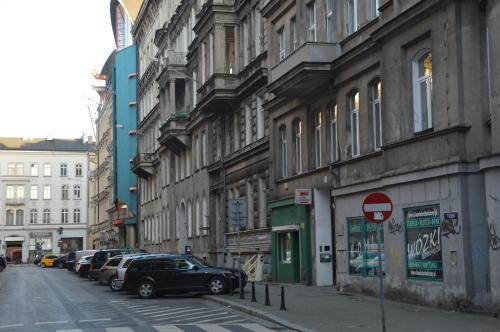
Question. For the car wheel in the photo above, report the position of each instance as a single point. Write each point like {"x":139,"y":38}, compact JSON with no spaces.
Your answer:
{"x":146,"y":289}
{"x":43,"y":265}
{"x":217,"y":285}
{"x":112,"y":284}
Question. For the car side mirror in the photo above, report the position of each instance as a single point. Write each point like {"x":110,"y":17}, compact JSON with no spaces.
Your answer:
{"x":196,"y":267}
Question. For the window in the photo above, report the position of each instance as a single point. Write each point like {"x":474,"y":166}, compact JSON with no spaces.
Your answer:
{"x":311,"y":21}
{"x":248,"y":125}
{"x":46,"y":216}
{"x":10,"y":192}
{"x":11,"y":169}
{"x":19,"y":217}
{"x":34,"y":192}
{"x":46,"y":191}
{"x":422,"y":91}
{"x":64,"y":170}
{"x":64,"y":216}
{"x":258,"y":34}
{"x":204,"y":216}
{"x":354,"y":115}
{"x":197,"y":152}
{"x":285,"y":241}
{"x":334,"y":142}
{"x":352,"y":16}
{"x":375,"y":102}
{"x":46,"y":170}
{"x":190,"y":219}
{"x":297,"y":146}
{"x":281,"y":44}
{"x":33,"y":216}
{"x":424,"y":256}
{"x":230,"y":51}
{"x":197,"y":217}
{"x":260,"y":118}
{"x":65,"y":192}
{"x":282,"y":151}
{"x":76,"y":191}
{"x":211,"y":53}
{"x":246,"y":41}
{"x":19,"y":169}
{"x":294,"y":39}
{"x":318,"y":124}
{"x":9,"y":217}
{"x":329,"y":20}
{"x":20,"y":192}
{"x":374,"y":8}
{"x":76,"y":216}
{"x":78,"y":170}
{"x":363,"y":247}
{"x":203,"y":148}
{"x":34,"y":170}
{"x":262,"y":203}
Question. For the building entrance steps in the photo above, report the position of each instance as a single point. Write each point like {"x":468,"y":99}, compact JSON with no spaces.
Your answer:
{"x":324,"y":309}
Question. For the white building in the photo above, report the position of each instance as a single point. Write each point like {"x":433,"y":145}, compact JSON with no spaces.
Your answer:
{"x":43,"y":196}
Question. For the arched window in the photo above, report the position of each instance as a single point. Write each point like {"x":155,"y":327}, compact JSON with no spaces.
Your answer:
{"x":282,"y":148}
{"x":334,"y":135}
{"x":19,"y":217}
{"x":297,"y":146}
{"x":422,"y":91}
{"x":76,"y":191}
{"x":204,"y":215}
{"x":65,"y":191}
{"x":376,"y":108}
{"x":197,"y":217}
{"x":78,"y":170}
{"x":317,"y":136}
{"x":190,"y":220}
{"x":46,"y":216}
{"x":64,"y":216}
{"x":167,"y":230}
{"x":353,"y":107}
{"x":9,"y":217}
{"x":64,"y":170}
{"x":33,"y":216}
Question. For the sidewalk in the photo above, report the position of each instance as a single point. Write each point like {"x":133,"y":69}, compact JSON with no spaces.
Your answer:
{"x":325,"y":309}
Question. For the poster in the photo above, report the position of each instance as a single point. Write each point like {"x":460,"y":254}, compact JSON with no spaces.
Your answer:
{"x":423,"y":243}
{"x":363,"y":250}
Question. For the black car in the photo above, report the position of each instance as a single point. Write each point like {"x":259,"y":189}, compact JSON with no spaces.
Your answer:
{"x":60,"y":262}
{"x":174,"y":273}
{"x":101,"y":256}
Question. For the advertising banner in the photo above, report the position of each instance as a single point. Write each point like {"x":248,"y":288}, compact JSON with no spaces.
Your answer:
{"x":423,"y":243}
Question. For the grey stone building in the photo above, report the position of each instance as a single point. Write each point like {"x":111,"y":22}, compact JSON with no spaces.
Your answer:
{"x":391,"y":96}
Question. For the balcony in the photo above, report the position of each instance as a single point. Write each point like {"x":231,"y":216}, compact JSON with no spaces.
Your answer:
{"x":173,"y":67}
{"x":304,"y":70}
{"x":174,"y":134}
{"x":15,"y":201}
{"x":144,"y":164}
{"x":219,"y":92}
{"x":254,"y":75}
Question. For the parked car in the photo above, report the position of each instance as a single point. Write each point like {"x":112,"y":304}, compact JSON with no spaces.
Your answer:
{"x":83,"y":265}
{"x":72,"y":260}
{"x":101,"y":256}
{"x":60,"y":262}
{"x":163,"y":273}
{"x":116,"y":283}
{"x":48,"y":260}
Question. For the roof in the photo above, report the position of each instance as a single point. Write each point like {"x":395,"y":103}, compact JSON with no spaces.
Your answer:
{"x":44,"y":144}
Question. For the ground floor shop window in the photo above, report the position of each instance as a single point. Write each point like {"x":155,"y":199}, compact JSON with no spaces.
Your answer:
{"x":423,"y":243}
{"x":285,"y":240}
{"x":363,"y":250}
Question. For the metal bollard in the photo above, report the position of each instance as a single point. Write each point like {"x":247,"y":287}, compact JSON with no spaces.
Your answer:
{"x":253,"y":292}
{"x":230,"y":285}
{"x":242,"y":292}
{"x":282,"y":307}
{"x":268,"y":303}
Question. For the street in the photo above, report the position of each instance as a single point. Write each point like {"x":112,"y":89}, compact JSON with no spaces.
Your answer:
{"x":51,"y":299}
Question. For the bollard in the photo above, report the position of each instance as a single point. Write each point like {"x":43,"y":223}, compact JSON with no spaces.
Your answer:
{"x":282,"y":307}
{"x":253,"y":292}
{"x":242,"y":293}
{"x":230,"y":285}
{"x":268,"y":303}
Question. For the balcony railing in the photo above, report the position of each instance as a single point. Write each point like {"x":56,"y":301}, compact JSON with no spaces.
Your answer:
{"x":143,"y":164}
{"x":15,"y":201}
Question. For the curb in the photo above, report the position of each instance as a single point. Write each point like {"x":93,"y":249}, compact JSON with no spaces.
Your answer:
{"x":257,"y":313}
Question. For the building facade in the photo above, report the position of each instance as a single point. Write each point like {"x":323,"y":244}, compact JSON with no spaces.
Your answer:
{"x":44,"y":196}
{"x":395,"y":97}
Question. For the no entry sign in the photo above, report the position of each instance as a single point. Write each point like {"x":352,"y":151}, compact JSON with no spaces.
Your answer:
{"x":377,"y":207}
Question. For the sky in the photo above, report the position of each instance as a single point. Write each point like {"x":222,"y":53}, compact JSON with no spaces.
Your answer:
{"x":50,"y":48}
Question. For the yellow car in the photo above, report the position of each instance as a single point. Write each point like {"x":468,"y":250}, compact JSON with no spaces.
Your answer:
{"x":48,"y":260}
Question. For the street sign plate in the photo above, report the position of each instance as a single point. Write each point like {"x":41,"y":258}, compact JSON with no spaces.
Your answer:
{"x":236,"y":208}
{"x":377,"y":207}
{"x":303,"y":196}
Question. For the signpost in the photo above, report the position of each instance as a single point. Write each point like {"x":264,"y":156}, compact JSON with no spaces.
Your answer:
{"x":377,"y":208}
{"x":237,"y":210}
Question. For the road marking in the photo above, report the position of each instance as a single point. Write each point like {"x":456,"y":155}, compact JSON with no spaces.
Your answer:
{"x":13,"y":325}
{"x":256,"y":328}
{"x":217,"y":318}
{"x":150,"y":308}
{"x":53,"y":322}
{"x":212,"y":328}
{"x":70,"y":330}
{"x":168,"y":328}
{"x":204,"y":316}
{"x":119,"y":329}
{"x":175,"y":311}
{"x":93,"y":320}
{"x":239,"y":320}
{"x":184,"y":311}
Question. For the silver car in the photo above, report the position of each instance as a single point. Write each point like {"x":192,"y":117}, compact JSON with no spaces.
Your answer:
{"x":107,"y":272}
{"x":116,"y":283}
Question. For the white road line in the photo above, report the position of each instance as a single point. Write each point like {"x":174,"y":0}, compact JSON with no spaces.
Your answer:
{"x":135,"y":306}
{"x":256,"y":328}
{"x":204,"y":316}
{"x":154,"y":311}
{"x":235,"y":321}
{"x":176,"y":313}
{"x":94,"y":320}
{"x":13,"y":325}
{"x":119,"y":329}
{"x":212,"y":328}
{"x":53,"y":322}
{"x":214,"y":319}
{"x":70,"y":330}
{"x":150,"y":308}
{"x":168,"y":328}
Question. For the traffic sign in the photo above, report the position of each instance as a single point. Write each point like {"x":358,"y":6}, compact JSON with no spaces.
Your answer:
{"x":377,"y":207}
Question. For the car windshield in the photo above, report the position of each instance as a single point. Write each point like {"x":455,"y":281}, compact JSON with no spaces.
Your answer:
{"x":198,"y":261}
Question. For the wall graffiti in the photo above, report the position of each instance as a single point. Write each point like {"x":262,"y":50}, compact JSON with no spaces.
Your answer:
{"x":395,"y":227}
{"x":450,"y":225}
{"x":494,"y":239}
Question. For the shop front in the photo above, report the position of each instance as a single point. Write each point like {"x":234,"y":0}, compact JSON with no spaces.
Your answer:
{"x":40,"y":244}
{"x":14,"y":248}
